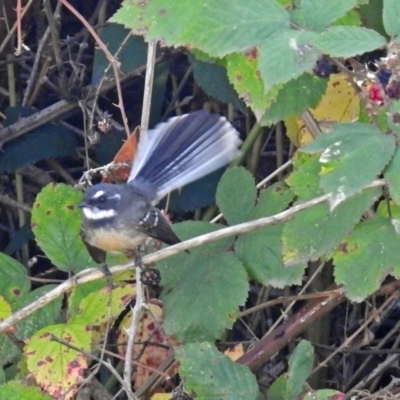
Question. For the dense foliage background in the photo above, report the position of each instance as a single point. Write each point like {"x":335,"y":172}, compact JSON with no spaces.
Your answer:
{"x":290,"y":289}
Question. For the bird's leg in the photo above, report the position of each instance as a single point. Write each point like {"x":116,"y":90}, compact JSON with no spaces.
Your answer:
{"x":140,"y":252}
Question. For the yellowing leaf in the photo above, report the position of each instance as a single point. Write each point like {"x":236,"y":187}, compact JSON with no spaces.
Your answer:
{"x":340,"y":103}
{"x":235,"y":352}
{"x":5,"y":309}
{"x":161,"y":396}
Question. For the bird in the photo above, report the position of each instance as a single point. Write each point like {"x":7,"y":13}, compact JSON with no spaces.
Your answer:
{"x":121,"y":217}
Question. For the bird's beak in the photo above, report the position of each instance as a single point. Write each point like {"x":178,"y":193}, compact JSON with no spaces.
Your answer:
{"x":83,"y":204}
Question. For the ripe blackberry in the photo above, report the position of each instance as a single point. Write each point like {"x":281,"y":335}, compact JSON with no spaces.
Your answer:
{"x":393,"y":90}
{"x":323,"y":69}
{"x":383,"y":76}
{"x":150,"y":276}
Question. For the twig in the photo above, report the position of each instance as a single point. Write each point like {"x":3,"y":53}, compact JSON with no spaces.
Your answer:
{"x":109,"y":56}
{"x":140,"y":303}
{"x":94,"y":274}
{"x":55,"y":43}
{"x":131,"y":332}
{"x":53,"y":112}
{"x":32,"y":78}
{"x":12,"y":30}
{"x":18,"y":11}
{"x":148,"y":85}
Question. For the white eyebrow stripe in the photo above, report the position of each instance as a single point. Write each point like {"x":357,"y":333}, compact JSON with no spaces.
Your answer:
{"x":98,"y":194}
{"x":97,"y":214}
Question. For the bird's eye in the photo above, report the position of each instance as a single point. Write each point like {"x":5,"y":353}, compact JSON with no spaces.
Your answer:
{"x":102,"y":199}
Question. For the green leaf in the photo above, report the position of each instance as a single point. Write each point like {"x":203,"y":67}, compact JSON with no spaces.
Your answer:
{"x":391,"y":17}
{"x":14,"y":281}
{"x":324,"y":394}
{"x":47,"y":141}
{"x":236,"y":195}
{"x":348,"y":41}
{"x":286,"y":55}
{"x":220,"y":377}
{"x":18,"y":390}
{"x":213,"y":79}
{"x":393,"y":176}
{"x":56,"y":225}
{"x":174,"y":269}
{"x":353,"y":155}
{"x":218,"y":286}
{"x":132,"y":52}
{"x":217,"y":28}
{"x":371,"y":15}
{"x":245,"y":76}
{"x":364,"y":258}
{"x":316,"y":14}
{"x":308,"y":90}
{"x":352,"y":18}
{"x":316,"y":231}
{"x":261,"y":249}
{"x":300,"y":366}
{"x":277,"y":390}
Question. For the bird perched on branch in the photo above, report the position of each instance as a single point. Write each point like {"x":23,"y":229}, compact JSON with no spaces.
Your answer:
{"x":117,"y":217}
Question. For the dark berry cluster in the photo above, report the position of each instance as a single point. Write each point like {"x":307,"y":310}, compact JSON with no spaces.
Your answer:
{"x":150,"y":276}
{"x":393,"y":90}
{"x":383,"y":76}
{"x":323,"y":68}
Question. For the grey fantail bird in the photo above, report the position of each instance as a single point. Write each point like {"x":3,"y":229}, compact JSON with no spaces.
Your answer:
{"x":117,"y":217}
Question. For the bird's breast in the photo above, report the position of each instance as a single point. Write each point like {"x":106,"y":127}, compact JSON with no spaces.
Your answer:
{"x":113,"y":239}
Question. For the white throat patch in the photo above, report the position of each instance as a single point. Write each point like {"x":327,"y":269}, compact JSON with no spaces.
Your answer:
{"x":95,"y":213}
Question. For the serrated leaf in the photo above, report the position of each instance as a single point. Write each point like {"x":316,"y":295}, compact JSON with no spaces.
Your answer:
{"x":215,"y":28}
{"x":56,"y":367}
{"x":391,"y":17}
{"x":261,"y":249}
{"x":393,"y":176}
{"x":286,"y":55}
{"x":99,"y":306}
{"x":220,"y":377}
{"x":40,"y":318}
{"x":315,"y":231}
{"x":316,"y":14}
{"x":218,"y":286}
{"x":18,"y":390}
{"x":236,"y":195}
{"x":14,"y":281}
{"x":245,"y":76}
{"x":353,"y":155}
{"x":295,"y":97}
{"x":56,"y":225}
{"x":348,"y":41}
{"x":300,"y":366}
{"x":364,"y":258}
{"x":213,"y":79}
